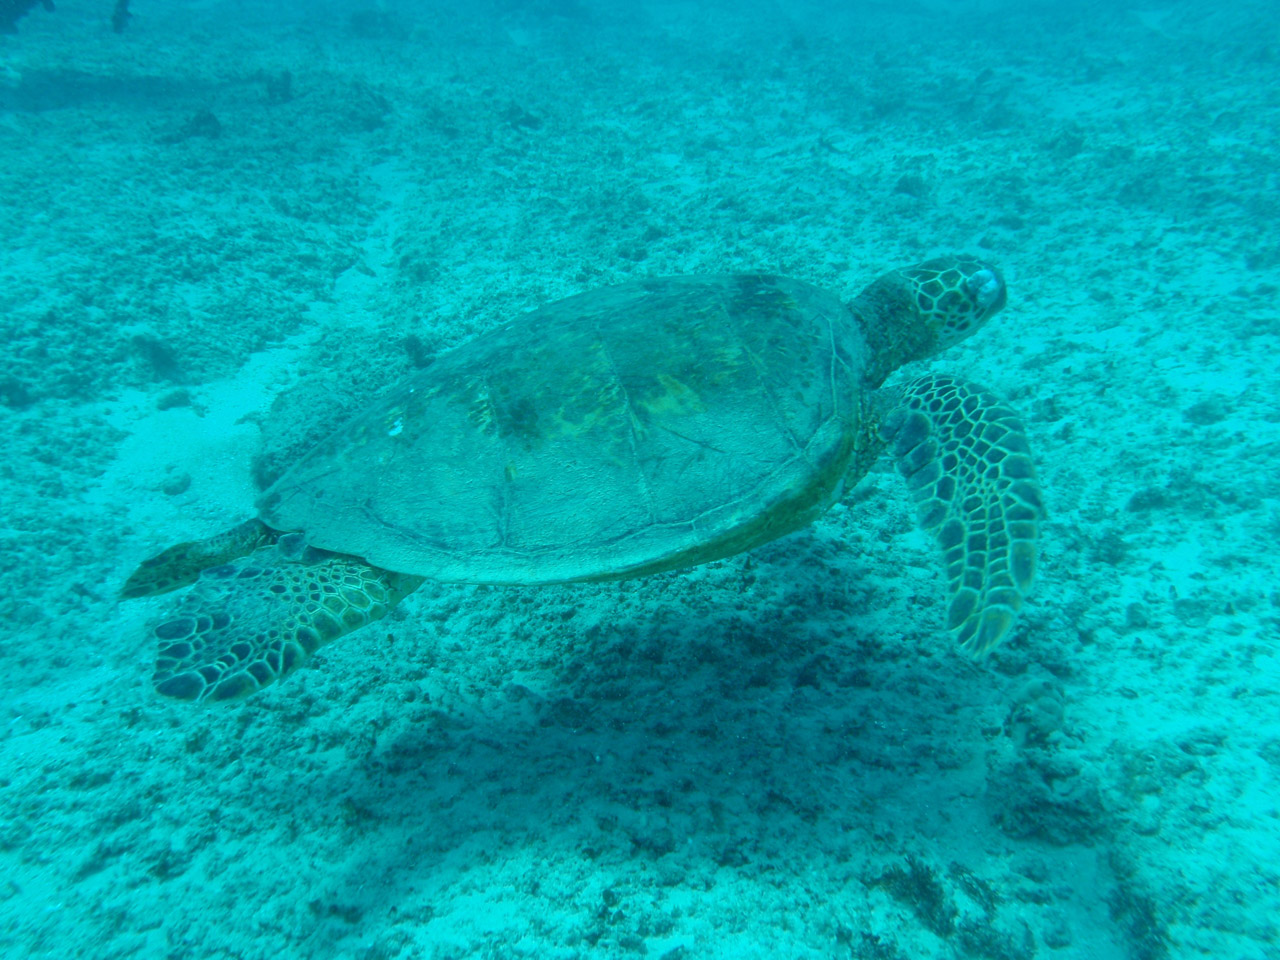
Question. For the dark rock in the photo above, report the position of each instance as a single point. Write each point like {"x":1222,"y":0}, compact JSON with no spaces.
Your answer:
{"x":201,"y":124}
{"x":14,"y":393}
{"x":918,"y":887}
{"x":279,"y":87}
{"x":11,"y":11}
{"x":120,"y":16}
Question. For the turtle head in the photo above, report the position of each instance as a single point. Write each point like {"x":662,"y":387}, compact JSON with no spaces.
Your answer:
{"x":913,"y":312}
{"x":954,"y":296}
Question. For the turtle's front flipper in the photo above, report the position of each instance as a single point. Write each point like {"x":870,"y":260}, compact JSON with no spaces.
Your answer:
{"x":181,"y":564}
{"x":965,"y":456}
{"x":248,"y":623}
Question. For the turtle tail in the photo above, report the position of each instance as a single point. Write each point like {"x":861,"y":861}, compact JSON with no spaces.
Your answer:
{"x":966,"y":458}
{"x":180,"y":565}
{"x":252,"y":621}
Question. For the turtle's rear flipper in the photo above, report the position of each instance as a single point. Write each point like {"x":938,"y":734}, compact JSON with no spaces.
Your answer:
{"x":248,"y":623}
{"x":181,"y":564}
{"x":965,"y":456}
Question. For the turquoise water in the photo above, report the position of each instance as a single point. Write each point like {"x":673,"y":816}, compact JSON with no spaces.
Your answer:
{"x":227,"y":227}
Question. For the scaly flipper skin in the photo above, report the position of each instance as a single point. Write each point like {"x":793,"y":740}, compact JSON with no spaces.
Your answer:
{"x":181,"y":564}
{"x":965,"y":456}
{"x":246,"y":624}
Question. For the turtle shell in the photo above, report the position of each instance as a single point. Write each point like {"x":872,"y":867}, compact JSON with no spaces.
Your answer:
{"x":637,"y":428}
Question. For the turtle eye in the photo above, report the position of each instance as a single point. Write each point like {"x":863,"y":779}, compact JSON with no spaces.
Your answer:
{"x":985,"y":288}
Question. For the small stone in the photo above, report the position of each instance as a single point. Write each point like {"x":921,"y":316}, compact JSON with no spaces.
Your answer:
{"x":1056,"y":933}
{"x":177,"y":484}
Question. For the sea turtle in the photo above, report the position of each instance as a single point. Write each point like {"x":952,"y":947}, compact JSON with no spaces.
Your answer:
{"x":621,"y":432}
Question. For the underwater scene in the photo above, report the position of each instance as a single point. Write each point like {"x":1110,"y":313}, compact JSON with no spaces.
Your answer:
{"x":640,"y":478}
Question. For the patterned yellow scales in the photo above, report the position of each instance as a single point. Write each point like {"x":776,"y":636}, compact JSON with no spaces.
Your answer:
{"x":644,"y":427}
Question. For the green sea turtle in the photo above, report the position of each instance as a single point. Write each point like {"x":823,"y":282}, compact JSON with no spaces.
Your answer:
{"x":625,"y":431}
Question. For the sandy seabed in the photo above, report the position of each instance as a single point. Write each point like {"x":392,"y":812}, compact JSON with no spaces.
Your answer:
{"x":774,"y":756}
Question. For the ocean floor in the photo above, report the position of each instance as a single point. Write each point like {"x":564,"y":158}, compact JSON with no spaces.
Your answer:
{"x":224,"y":230}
